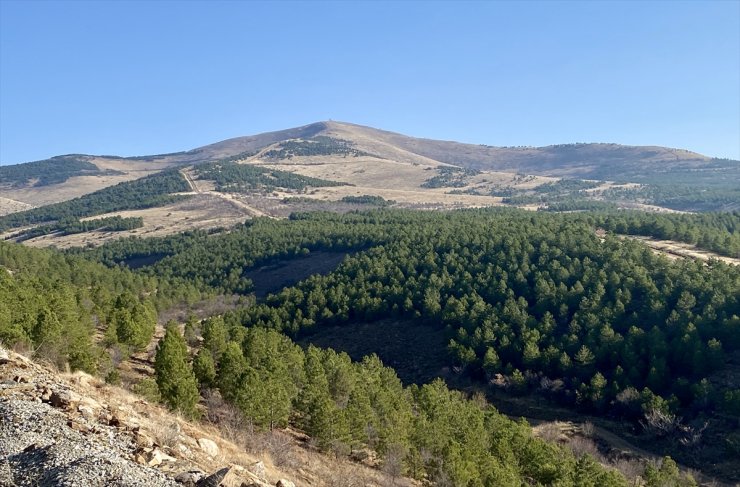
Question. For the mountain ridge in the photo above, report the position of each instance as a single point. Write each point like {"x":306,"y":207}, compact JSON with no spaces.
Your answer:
{"x":380,"y":162}
{"x":236,"y":145}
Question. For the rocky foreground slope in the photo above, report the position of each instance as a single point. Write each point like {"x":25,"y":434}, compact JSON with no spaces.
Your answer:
{"x":74,"y":430}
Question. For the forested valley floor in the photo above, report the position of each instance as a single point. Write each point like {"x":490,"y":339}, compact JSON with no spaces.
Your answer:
{"x":540,"y":307}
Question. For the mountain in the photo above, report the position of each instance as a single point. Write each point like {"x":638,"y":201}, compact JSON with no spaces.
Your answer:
{"x":335,"y":166}
{"x":586,"y":160}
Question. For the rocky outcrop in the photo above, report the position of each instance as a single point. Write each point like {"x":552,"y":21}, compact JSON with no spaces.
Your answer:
{"x":41,"y":448}
{"x":53,"y":434}
{"x":208,"y":446}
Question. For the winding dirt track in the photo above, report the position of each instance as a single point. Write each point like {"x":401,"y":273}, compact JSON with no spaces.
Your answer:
{"x":233,"y":200}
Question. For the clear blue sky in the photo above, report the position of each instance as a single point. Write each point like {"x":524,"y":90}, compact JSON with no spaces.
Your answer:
{"x":135,"y":78}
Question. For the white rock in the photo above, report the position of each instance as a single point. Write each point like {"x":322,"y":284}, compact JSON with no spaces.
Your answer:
{"x":65,"y":399}
{"x":86,"y":411}
{"x":284,"y":483}
{"x":208,"y":446}
{"x":156,"y":457}
{"x":258,"y":469}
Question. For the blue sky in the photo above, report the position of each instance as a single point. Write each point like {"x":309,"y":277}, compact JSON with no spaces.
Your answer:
{"x":135,"y":78}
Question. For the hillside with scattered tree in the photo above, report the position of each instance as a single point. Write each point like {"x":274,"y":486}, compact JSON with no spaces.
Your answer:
{"x":154,"y":190}
{"x":233,"y":177}
{"x":50,"y":171}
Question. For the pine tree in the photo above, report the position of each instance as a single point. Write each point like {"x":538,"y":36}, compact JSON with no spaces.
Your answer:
{"x":175,"y":379}
{"x":215,"y":336}
{"x":231,"y":368}
{"x":205,"y":368}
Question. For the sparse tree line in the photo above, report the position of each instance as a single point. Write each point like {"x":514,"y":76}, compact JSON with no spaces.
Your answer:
{"x":686,"y":196}
{"x":450,"y":177}
{"x":367,"y":199}
{"x":72,"y":225}
{"x":315,"y":146}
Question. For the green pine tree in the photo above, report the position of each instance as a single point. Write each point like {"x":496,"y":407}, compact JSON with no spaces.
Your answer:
{"x":175,"y":379}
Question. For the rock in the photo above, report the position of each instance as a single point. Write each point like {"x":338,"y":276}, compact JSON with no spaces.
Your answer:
{"x":81,"y":378}
{"x":156,"y":457}
{"x":284,"y":483}
{"x":91,"y":403}
{"x":208,"y":446}
{"x":4,"y":356}
{"x":87,"y":412}
{"x":190,"y":478}
{"x":118,"y":418}
{"x":78,"y":426}
{"x":214,"y":479}
{"x":188,"y":441}
{"x":258,"y":469}
{"x":44,"y":445}
{"x":64,"y":399}
{"x":46,"y":394}
{"x":143,"y":440}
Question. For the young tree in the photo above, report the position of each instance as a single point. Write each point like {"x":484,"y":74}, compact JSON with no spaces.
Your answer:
{"x":175,"y":379}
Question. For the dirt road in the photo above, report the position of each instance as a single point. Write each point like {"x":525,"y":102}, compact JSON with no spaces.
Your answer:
{"x":231,"y":198}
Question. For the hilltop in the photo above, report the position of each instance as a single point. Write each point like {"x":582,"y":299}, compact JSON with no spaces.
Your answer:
{"x":339,"y":167}
{"x":584,"y":160}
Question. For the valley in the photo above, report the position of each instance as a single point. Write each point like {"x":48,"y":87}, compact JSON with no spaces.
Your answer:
{"x":368,"y":294}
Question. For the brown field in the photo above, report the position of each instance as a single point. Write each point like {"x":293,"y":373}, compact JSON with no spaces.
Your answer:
{"x":202,"y":211}
{"x":81,"y":185}
{"x":396,"y":171}
{"x":8,"y":206}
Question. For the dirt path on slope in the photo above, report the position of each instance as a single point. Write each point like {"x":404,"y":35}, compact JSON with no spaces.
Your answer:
{"x":229,"y":197}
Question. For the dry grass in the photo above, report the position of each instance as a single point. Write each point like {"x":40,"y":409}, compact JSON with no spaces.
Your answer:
{"x":202,"y":211}
{"x":8,"y":205}
{"x":677,"y":250}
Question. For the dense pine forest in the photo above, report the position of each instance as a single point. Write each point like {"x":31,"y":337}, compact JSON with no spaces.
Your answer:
{"x":532,"y":304}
